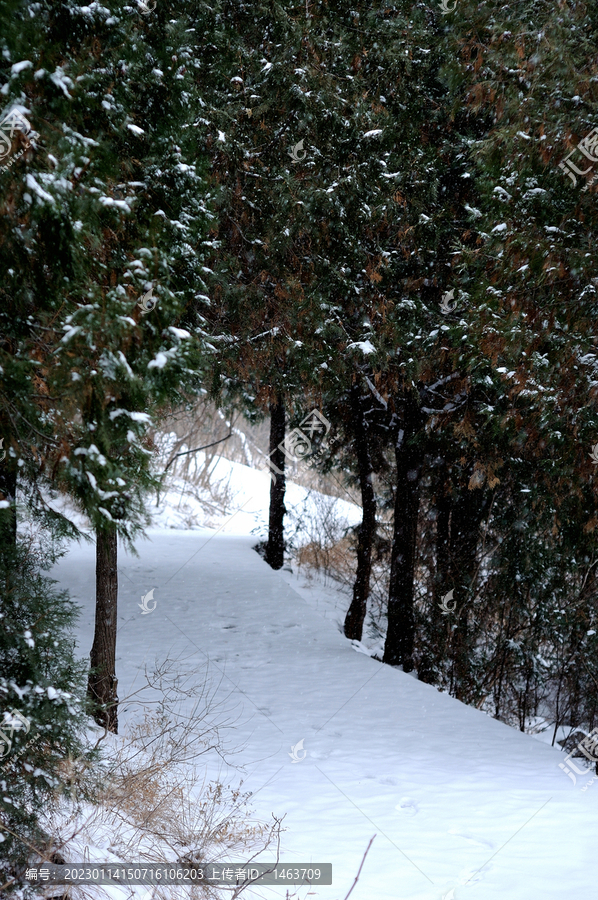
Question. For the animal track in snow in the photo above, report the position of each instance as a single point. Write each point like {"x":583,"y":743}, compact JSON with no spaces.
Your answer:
{"x":467,"y":837}
{"x":408,"y":806}
{"x":321,"y":754}
{"x":472,"y":876}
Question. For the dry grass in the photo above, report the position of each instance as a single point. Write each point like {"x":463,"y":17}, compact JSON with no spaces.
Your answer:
{"x":335,"y":560}
{"x":151,"y":801}
{"x":330,"y":545}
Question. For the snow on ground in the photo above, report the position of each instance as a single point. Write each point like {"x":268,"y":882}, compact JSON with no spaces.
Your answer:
{"x":248,"y":489}
{"x":462,"y":806}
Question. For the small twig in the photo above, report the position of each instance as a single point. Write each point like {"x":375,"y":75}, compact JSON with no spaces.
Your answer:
{"x":361,"y":866}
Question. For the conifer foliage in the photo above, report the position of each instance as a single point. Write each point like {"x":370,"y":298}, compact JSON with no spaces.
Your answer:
{"x":358,"y":207}
{"x":103,"y":210}
{"x":42,"y":697}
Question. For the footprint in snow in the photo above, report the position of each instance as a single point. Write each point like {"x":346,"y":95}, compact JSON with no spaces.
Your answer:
{"x":408,"y":806}
{"x":467,"y":837}
{"x":472,"y":876}
{"x":320,"y":754}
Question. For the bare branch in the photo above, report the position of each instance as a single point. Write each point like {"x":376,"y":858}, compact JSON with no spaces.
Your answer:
{"x":361,"y":866}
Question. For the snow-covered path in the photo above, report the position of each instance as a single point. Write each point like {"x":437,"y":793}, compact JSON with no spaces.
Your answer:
{"x":462,"y":806}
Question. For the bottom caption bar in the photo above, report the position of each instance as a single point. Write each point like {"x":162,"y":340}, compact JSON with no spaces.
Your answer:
{"x":166,"y":873}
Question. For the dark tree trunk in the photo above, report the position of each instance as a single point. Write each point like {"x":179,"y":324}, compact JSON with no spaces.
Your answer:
{"x":443,"y":537}
{"x":274,"y":554}
{"x":466,"y":516}
{"x":102,"y":682}
{"x":398,"y":649}
{"x":428,"y":670}
{"x":8,"y":517}
{"x":365,"y":537}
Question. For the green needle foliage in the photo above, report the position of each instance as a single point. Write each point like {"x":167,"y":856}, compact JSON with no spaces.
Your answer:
{"x":107,"y":201}
{"x":42,"y":697}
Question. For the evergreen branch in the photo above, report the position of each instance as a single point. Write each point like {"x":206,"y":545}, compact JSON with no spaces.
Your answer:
{"x":39,"y":433}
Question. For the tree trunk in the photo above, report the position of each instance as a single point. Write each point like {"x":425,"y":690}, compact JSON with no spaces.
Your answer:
{"x":365,"y":537}
{"x":443,"y":553}
{"x":398,"y":649}
{"x":429,"y":667}
{"x":466,"y":515}
{"x":274,"y":554}
{"x":8,"y":517}
{"x":102,"y":682}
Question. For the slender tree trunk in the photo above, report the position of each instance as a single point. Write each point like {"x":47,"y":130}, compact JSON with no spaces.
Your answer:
{"x":8,"y":517}
{"x":365,"y":537}
{"x":274,"y":555}
{"x":466,"y":516}
{"x":398,"y":649}
{"x":102,"y":682}
{"x":428,"y":670}
{"x":443,"y":534}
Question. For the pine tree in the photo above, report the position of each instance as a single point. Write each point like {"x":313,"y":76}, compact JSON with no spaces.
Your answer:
{"x":527,"y":75}
{"x":42,"y":700}
{"x":113,"y":184}
{"x":258,"y":280}
{"x":355,"y":617}
{"x":385,"y":210}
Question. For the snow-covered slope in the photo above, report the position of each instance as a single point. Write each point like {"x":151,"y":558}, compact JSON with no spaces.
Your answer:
{"x":248,"y":492}
{"x":462,"y":806}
